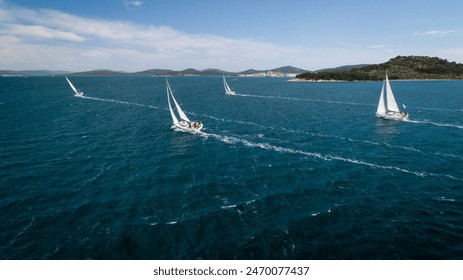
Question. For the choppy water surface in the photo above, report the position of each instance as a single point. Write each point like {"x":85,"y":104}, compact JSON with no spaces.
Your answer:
{"x":281,"y":171}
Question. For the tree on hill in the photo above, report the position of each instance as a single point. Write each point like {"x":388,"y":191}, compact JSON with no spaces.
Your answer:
{"x":400,"y":67}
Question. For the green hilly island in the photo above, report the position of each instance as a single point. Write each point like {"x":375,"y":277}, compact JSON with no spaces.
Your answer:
{"x":398,"y":68}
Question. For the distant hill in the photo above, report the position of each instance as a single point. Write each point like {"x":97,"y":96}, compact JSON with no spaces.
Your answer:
{"x":152,"y":72}
{"x":289,"y":70}
{"x":186,"y":72}
{"x":32,"y":73}
{"x":250,"y":72}
{"x":400,"y":67}
{"x":101,"y":72}
{"x":343,"y":68}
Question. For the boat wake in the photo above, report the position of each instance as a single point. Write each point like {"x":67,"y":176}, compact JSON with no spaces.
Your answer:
{"x":14,"y":239}
{"x":434,"y":123}
{"x":293,"y":130}
{"x":122,"y":102}
{"x":279,"y":149}
{"x":303,"y":99}
{"x":437,"y":109}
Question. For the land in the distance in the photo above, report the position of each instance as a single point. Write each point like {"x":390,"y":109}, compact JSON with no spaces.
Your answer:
{"x":286,"y":71}
{"x":398,"y":68}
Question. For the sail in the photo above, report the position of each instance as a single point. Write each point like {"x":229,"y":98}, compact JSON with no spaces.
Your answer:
{"x":72,"y":86}
{"x":391,"y":103}
{"x":381,"y":104}
{"x":227,"y":88}
{"x":179,"y":110}
{"x":169,"y":93}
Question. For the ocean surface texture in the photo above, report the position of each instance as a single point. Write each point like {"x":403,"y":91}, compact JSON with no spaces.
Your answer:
{"x":281,"y":170}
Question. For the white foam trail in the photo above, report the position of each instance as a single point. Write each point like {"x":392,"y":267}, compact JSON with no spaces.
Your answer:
{"x":444,"y":199}
{"x":437,"y":109}
{"x":13,"y":240}
{"x":360,"y":104}
{"x":434,"y":123}
{"x":268,"y":146}
{"x":312,"y":134}
{"x":289,"y":130}
{"x":407,"y":148}
{"x":303,"y":99}
{"x":353,"y":140}
{"x":230,"y":121}
{"x":121,"y":102}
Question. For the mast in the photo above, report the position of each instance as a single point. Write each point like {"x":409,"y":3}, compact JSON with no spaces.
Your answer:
{"x":225,"y":85}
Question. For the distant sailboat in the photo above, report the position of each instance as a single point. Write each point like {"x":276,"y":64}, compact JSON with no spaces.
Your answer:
{"x":228,"y":90}
{"x":387,"y":106}
{"x":184,"y":123}
{"x":78,"y":93}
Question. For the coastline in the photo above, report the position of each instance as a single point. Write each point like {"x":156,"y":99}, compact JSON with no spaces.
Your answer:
{"x":346,"y":81}
{"x":296,"y":80}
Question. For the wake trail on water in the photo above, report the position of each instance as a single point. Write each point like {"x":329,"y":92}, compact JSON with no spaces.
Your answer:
{"x":122,"y":102}
{"x":437,"y":109}
{"x":303,"y":99}
{"x":295,"y":131}
{"x":361,"y":104}
{"x":434,"y":123}
{"x":267,"y":146}
{"x":289,"y":130}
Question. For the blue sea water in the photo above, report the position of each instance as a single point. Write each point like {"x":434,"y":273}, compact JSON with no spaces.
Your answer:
{"x":281,"y":171}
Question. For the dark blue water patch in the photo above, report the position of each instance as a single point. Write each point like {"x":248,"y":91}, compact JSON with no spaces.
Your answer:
{"x":282,"y":170}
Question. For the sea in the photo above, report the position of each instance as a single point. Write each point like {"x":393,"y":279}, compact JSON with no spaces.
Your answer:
{"x":281,"y":170}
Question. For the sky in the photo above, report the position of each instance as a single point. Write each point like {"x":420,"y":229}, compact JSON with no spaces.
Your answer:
{"x":232,"y":35}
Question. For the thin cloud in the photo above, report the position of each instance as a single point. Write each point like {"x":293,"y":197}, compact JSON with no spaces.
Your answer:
{"x":55,"y":40}
{"x":133,"y":3}
{"x":435,"y":33}
{"x":378,"y":46}
{"x":40,"y":32}
{"x":104,"y":41}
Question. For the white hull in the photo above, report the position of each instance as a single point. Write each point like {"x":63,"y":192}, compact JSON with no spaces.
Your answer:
{"x":188,"y":127}
{"x":398,"y":116}
{"x":231,"y":92}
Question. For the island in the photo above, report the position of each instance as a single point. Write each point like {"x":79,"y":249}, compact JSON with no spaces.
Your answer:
{"x":398,"y":68}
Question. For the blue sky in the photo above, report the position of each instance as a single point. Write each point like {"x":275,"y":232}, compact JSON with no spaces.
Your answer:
{"x":78,"y":35}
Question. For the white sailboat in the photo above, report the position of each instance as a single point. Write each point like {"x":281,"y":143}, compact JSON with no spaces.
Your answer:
{"x":387,"y":106}
{"x":228,"y":90}
{"x":182,"y":122}
{"x":78,"y":93}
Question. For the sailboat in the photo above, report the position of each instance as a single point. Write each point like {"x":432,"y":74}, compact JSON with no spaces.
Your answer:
{"x":182,"y":121}
{"x":228,"y":90}
{"x":78,"y":93}
{"x":387,"y":106}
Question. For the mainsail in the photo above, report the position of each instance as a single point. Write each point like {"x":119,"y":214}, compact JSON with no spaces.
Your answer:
{"x":79,"y":93}
{"x":169,"y":94}
{"x":228,"y":90}
{"x":382,"y":103}
{"x":391,"y":103}
{"x":179,"y":110}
